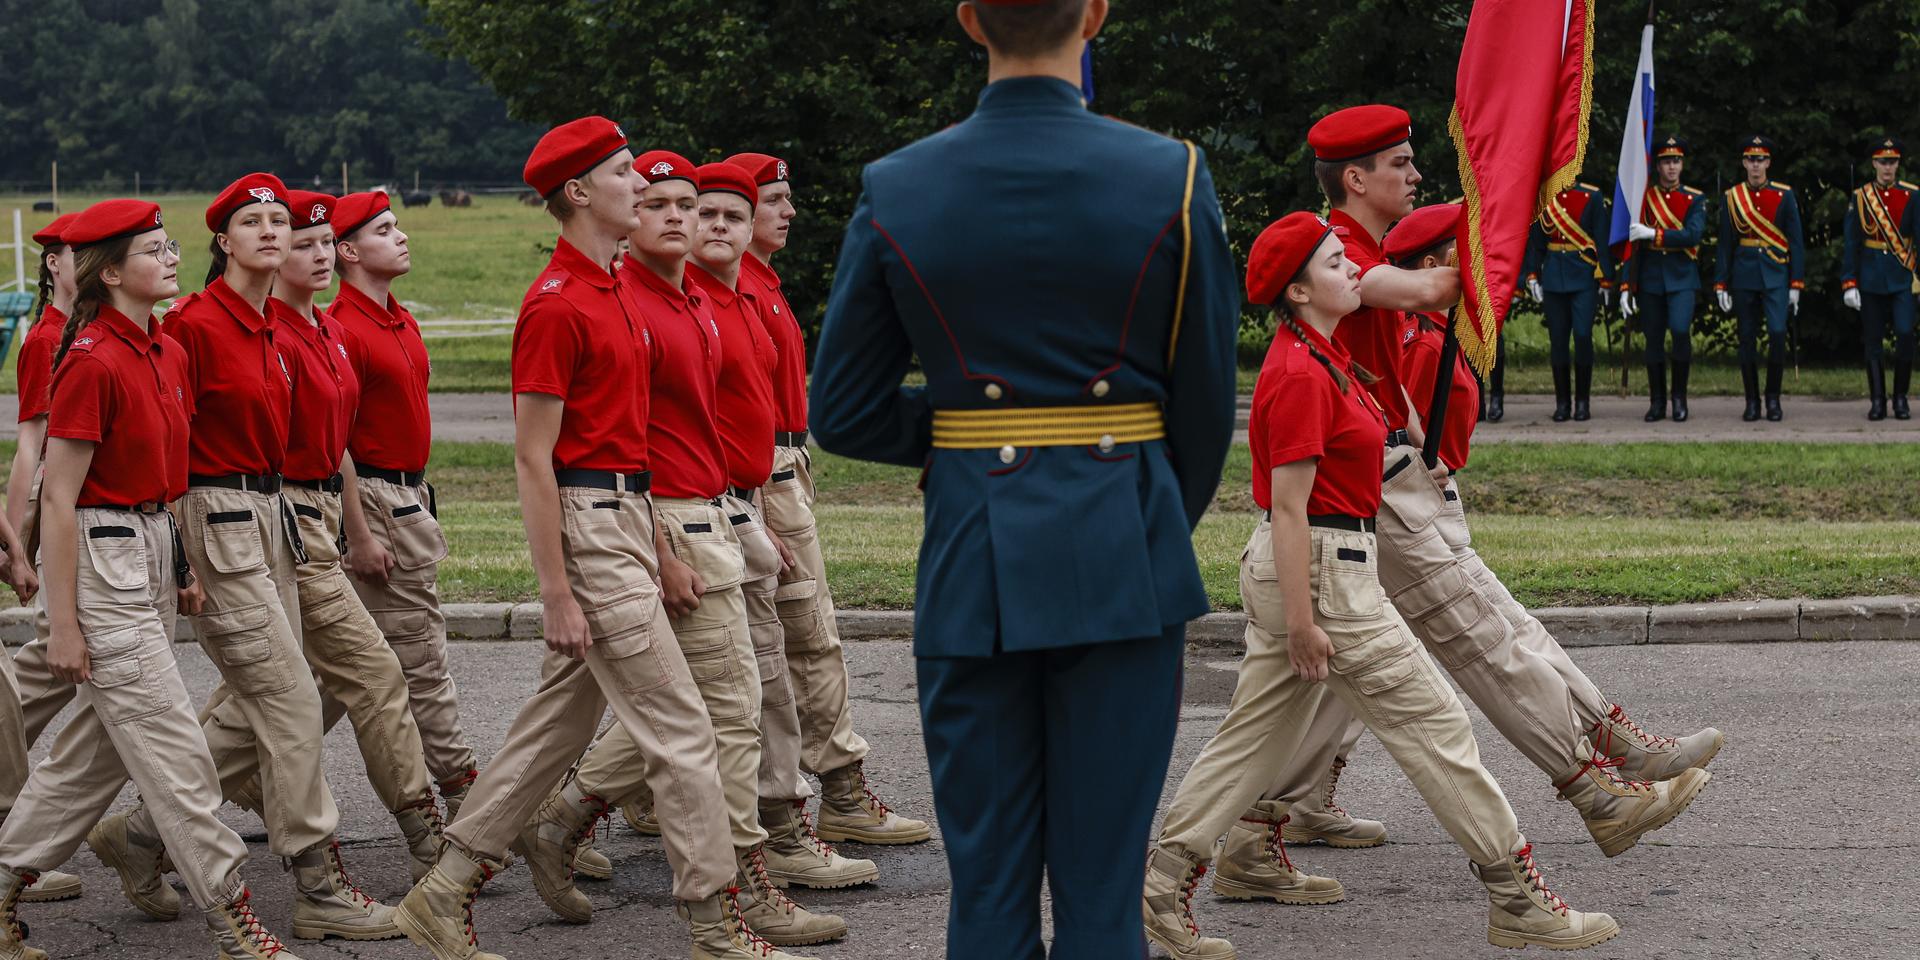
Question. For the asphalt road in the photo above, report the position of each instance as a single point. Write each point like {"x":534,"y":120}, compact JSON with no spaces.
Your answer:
{"x":1802,"y":846}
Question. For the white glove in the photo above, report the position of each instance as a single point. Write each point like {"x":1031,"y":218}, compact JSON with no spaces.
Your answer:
{"x":1851,"y":298}
{"x":1725,"y":300}
{"x":1606,"y":298}
{"x":1626,"y":304}
{"x":1793,"y":301}
{"x":1641,"y":231}
{"x":1533,"y":290}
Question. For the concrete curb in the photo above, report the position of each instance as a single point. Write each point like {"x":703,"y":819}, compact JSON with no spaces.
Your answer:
{"x":1746,"y":621}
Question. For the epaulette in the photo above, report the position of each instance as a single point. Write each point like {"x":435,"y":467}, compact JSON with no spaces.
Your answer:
{"x":1909,"y":186}
{"x":1693,"y":191}
{"x":1587,"y":186}
{"x":1777,"y":185}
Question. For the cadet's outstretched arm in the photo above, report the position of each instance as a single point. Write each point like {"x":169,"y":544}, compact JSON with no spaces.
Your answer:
{"x":1201,"y":388}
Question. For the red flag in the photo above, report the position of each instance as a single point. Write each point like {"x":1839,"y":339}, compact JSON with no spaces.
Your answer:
{"x":1519,"y":125}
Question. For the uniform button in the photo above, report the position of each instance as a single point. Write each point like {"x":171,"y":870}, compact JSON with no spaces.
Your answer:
{"x":1101,"y":388}
{"x":1006,"y":454}
{"x":1106,"y":443}
{"x":994,"y":392}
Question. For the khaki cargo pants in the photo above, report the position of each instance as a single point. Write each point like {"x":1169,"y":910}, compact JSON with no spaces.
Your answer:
{"x":1377,"y":669}
{"x":718,"y":646}
{"x":815,"y":658}
{"x":407,"y":608}
{"x":37,"y":697}
{"x":134,"y":720}
{"x":635,"y":666}
{"x":358,"y":673}
{"x":780,"y":776}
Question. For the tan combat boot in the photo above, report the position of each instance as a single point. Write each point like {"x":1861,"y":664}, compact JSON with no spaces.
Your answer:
{"x":437,"y":914}
{"x":327,"y":903}
{"x":1254,"y":865}
{"x":720,"y":932}
{"x":135,"y":856}
{"x":549,"y":845}
{"x":640,"y":816}
{"x":1523,"y":911}
{"x":772,"y":915}
{"x":13,"y":931}
{"x":1167,"y":908}
{"x":1320,"y":820}
{"x":1649,"y":757}
{"x":794,"y":854}
{"x":851,"y":812}
{"x":1619,"y":812}
{"x":51,"y":886}
{"x":588,"y":862}
{"x":453,"y":792}
{"x":238,"y":935}
{"x":420,"y":825}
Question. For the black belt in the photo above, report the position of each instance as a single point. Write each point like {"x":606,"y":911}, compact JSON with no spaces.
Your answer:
{"x":247,"y":482}
{"x":742,"y":493}
{"x":1398,"y":438}
{"x":798,"y":439}
{"x":333,"y":484}
{"x":400,"y":477}
{"x":605,"y":480}
{"x":149,"y":507}
{"x":1340,"y":521}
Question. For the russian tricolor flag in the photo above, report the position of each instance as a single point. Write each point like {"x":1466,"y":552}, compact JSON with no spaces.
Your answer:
{"x":1636,"y":145}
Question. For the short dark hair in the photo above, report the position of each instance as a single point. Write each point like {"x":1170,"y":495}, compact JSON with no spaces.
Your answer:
{"x":1331,"y":175}
{"x":1031,"y":29}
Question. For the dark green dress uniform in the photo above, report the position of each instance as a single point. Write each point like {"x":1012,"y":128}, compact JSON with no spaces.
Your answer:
{"x":1663,"y":274}
{"x":1761,"y":257}
{"x":1877,"y":260}
{"x":1567,"y":254}
{"x":1076,"y":414}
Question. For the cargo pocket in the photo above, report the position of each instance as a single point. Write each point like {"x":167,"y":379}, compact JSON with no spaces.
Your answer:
{"x":623,"y":636}
{"x":603,"y":553}
{"x":1260,"y":585}
{"x":414,"y":537}
{"x":709,"y":653}
{"x":312,"y":525}
{"x":709,"y":550}
{"x":420,"y":654}
{"x":118,"y":557}
{"x":232,"y":541}
{"x":1392,"y":677}
{"x":241,"y":643}
{"x":1457,"y":623}
{"x":1347,"y":586}
{"x":1411,"y":496}
{"x":127,"y":689}
{"x":798,"y":604}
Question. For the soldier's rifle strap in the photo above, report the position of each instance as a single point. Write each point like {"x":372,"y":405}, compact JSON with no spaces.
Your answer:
{"x":1186,"y":253}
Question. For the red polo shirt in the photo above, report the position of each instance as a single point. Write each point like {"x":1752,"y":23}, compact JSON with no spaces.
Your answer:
{"x":579,"y":340}
{"x":1372,"y":334}
{"x":242,"y":391}
{"x":127,"y":393}
{"x":1463,"y":399}
{"x":744,"y":404}
{"x":688,"y":460}
{"x":1300,"y":412}
{"x":790,"y":369}
{"x":328,"y":396}
{"x":394,"y":429}
{"x":33,"y":370}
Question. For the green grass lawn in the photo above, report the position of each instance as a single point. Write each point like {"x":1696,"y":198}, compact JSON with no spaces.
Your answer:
{"x":1564,"y":524}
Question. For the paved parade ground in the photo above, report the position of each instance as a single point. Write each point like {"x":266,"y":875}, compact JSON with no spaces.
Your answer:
{"x":1802,"y":846}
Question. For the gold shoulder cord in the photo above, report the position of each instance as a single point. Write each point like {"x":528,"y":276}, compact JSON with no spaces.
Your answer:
{"x":1186,"y":253}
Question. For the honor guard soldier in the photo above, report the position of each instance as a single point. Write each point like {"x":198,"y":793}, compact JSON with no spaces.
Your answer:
{"x":1761,"y":269}
{"x":1662,"y":276}
{"x":1570,"y":275}
{"x":1077,"y":411}
{"x":1876,"y":273}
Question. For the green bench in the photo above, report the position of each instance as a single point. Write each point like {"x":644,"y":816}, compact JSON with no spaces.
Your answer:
{"x":14,"y":307}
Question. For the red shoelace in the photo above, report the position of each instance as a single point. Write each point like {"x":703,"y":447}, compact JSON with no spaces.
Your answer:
{"x":1538,"y":880}
{"x":1186,"y":898}
{"x":748,"y":939}
{"x":466,"y":906}
{"x":1276,"y":841}
{"x":354,"y":895}
{"x":1619,"y":716}
{"x":250,"y":927}
{"x":1333,"y":783}
{"x":824,"y":848}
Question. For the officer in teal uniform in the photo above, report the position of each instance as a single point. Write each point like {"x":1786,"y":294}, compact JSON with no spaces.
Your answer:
{"x":1876,"y":274}
{"x":1077,"y":411}
{"x":1570,"y":274}
{"x":1661,"y":278}
{"x":1761,"y":268}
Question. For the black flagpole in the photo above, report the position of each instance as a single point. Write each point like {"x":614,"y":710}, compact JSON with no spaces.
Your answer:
{"x":1442,"y":388}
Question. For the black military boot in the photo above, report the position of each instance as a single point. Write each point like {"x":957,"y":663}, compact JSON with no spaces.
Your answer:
{"x":1681,"y":368}
{"x":1582,"y":388}
{"x":1774,"y":370}
{"x":1902,"y":375}
{"x":1750,"y":379}
{"x":1562,"y":393}
{"x":1876,"y":389}
{"x":1656,"y":393}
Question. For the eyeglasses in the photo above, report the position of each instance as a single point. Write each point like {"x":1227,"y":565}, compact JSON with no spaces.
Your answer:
{"x":161,"y":251}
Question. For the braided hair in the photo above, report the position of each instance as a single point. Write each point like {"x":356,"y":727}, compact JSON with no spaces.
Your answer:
{"x":1341,"y":378}
{"x":90,"y":289}
{"x":45,"y":299}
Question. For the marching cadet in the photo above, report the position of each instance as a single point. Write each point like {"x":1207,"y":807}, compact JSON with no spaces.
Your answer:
{"x":355,"y":668}
{"x":116,"y":574}
{"x":1076,"y":414}
{"x":394,"y":540}
{"x":850,"y":809}
{"x":1319,"y":625}
{"x":1662,"y":276}
{"x":1760,"y":270}
{"x":1570,"y":274}
{"x":701,"y":571}
{"x":1876,"y":273}
{"x":581,"y":362}
{"x":242,"y":540}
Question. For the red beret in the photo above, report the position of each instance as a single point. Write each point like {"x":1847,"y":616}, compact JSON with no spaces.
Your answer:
{"x":658,"y":165}
{"x":763,"y":168}
{"x":311,"y":209}
{"x":1359,"y":132}
{"x":356,"y":210}
{"x":1422,"y":230}
{"x":1280,"y":251}
{"x":111,"y":220}
{"x":570,"y":150}
{"x":250,"y":189}
{"x":49,"y":235}
{"x":727,"y":178}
